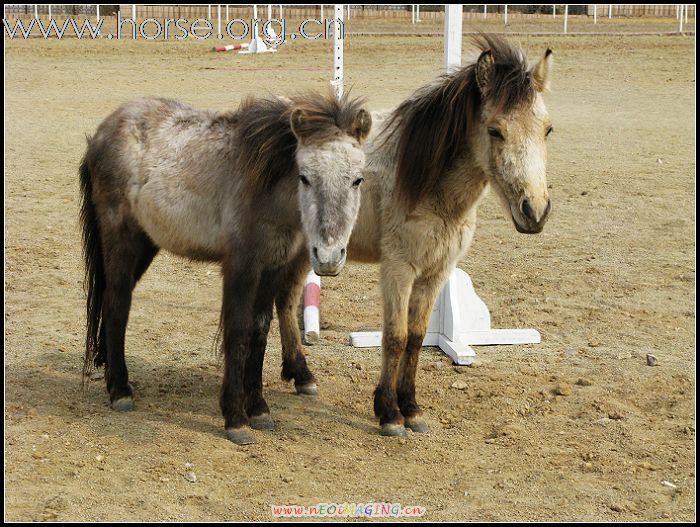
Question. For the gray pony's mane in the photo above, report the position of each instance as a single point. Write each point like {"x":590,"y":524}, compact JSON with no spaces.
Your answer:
{"x":268,"y":145}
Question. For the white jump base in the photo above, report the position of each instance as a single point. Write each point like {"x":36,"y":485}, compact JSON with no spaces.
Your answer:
{"x":460,"y":319}
{"x":257,"y":45}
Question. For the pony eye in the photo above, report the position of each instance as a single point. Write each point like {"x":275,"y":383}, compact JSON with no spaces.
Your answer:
{"x":549,"y":131}
{"x":357,"y":182}
{"x":495,"y":132}
{"x":304,"y":180}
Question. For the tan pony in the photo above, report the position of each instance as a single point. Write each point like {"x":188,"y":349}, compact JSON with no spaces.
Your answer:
{"x":428,"y":166}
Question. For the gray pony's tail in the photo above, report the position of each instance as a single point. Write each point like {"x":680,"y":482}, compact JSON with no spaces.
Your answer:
{"x":94,"y":283}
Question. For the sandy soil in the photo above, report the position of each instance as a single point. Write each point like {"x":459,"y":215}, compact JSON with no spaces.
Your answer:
{"x":610,"y":280}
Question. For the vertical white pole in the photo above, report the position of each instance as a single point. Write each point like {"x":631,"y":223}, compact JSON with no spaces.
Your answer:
{"x":677,"y":6}
{"x":337,"y":82}
{"x":269,"y":11}
{"x":280,"y":11}
{"x":255,"y":24}
{"x":485,"y":9}
{"x":49,"y":11}
{"x":686,"y":14}
{"x":595,"y":13}
{"x":97,"y":12}
{"x":208,"y":11}
{"x":554,"y":11}
{"x":321,"y":12}
{"x":453,"y":36}
{"x":505,"y":16}
{"x":218,"y":18}
{"x":133,"y":12}
{"x":348,"y":11}
{"x":566,"y":17}
{"x":413,"y":13}
{"x":418,"y":13}
{"x":610,"y":11}
{"x":227,"y":17}
{"x":680,"y":28}
{"x":36,"y":11}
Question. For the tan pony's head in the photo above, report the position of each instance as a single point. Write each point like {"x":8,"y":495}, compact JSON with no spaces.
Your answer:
{"x":488,"y":115}
{"x":511,"y":142}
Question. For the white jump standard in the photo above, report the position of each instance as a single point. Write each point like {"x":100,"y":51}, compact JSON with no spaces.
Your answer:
{"x":338,"y":53}
{"x":460,"y":319}
{"x":257,"y":44}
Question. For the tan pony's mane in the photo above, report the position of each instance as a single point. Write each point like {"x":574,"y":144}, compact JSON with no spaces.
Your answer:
{"x":432,"y":127}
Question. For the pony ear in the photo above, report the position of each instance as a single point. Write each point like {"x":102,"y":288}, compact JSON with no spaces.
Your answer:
{"x":361,"y":125}
{"x":484,"y":68}
{"x":541,"y":71}
{"x":297,"y":121}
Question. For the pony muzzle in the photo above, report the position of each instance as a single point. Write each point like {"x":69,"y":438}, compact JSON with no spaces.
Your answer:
{"x":328,"y":261}
{"x":529,"y":217}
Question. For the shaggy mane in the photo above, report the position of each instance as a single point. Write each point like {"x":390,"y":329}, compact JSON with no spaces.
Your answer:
{"x":432,"y":126}
{"x":267,"y":143}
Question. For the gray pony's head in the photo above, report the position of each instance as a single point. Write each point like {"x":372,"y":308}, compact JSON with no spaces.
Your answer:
{"x":330,"y":160}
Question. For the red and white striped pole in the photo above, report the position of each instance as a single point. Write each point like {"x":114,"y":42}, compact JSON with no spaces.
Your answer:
{"x":312,"y":304}
{"x":231,"y":47}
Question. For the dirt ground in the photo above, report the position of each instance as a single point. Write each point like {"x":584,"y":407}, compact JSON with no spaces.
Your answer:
{"x":610,"y":280}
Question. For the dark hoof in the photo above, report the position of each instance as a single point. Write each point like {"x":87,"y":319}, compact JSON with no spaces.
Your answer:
{"x":417,"y":424}
{"x":393,"y":430}
{"x":307,"y":389}
{"x":123,"y":404}
{"x":240,"y":436}
{"x":262,"y":422}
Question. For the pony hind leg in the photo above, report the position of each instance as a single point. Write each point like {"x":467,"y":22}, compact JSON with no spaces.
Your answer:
{"x":149,"y":252}
{"x":256,"y":407}
{"x":425,"y":291}
{"x":127,"y":254}
{"x":143,"y":262}
{"x":287,"y":301}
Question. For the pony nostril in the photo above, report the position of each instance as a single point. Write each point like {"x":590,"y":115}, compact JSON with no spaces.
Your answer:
{"x":342,"y":252}
{"x":315,"y":251}
{"x":527,"y":210}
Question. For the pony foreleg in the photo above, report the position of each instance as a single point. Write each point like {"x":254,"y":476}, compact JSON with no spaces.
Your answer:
{"x":241,"y":281}
{"x":396,"y":282}
{"x":425,"y":291}
{"x":256,"y":408}
{"x":287,"y":301}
